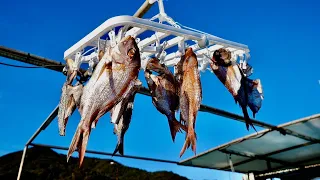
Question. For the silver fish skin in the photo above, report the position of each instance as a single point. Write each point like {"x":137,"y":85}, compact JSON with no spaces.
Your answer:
{"x":113,"y":78}
{"x":70,"y":97}
{"x":123,"y":116}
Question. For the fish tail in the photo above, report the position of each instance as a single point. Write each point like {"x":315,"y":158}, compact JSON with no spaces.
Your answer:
{"x":247,"y":118}
{"x":119,"y":148}
{"x":79,"y":141}
{"x":175,"y":126}
{"x":190,"y":140}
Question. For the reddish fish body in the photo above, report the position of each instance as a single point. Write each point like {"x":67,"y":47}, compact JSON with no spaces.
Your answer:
{"x":190,"y":96}
{"x":164,"y":93}
{"x":112,"y":80}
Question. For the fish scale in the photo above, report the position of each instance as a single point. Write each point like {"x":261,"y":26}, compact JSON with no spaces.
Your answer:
{"x":164,"y":93}
{"x":105,"y":89}
{"x":190,"y":96}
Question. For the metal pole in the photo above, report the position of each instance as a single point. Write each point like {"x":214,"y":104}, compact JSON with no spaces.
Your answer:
{"x":143,"y":9}
{"x":108,"y":154}
{"x":45,"y":124}
{"x":42,"y":127}
{"x":22,"y":161}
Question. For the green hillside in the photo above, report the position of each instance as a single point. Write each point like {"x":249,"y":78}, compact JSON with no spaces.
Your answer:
{"x":44,"y":163}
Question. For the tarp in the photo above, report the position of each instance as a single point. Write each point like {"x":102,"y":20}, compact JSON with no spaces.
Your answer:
{"x":267,"y":150}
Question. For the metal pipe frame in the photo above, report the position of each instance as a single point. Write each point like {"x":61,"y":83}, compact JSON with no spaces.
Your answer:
{"x":270,"y":154}
{"x":42,"y":127}
{"x":107,"y":154}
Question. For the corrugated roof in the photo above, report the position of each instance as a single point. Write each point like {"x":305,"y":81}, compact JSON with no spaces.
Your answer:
{"x":267,"y":150}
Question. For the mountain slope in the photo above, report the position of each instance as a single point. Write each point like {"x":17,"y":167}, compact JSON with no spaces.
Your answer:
{"x":44,"y":163}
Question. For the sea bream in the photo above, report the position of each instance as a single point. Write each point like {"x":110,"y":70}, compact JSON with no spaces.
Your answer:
{"x":121,"y":118}
{"x":164,"y":92}
{"x":245,"y":91}
{"x":190,"y":96}
{"x":71,"y":94}
{"x":112,"y":80}
{"x":70,"y":97}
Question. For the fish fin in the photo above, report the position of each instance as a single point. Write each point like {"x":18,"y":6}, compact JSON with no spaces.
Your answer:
{"x":190,"y":140}
{"x":184,"y":108}
{"x":119,"y":148}
{"x":174,"y":127}
{"x":247,"y":118}
{"x":106,"y":66}
{"x":79,"y":141}
{"x":114,"y":130}
{"x":253,"y":114}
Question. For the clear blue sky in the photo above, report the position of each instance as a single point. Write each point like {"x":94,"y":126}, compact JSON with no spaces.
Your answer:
{"x":283,"y":37}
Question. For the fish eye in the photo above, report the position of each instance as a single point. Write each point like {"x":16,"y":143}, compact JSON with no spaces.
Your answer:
{"x":131,"y":52}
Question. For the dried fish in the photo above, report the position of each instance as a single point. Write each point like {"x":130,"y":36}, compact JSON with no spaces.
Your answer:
{"x":190,"y":97}
{"x":112,"y":80}
{"x":164,"y":93}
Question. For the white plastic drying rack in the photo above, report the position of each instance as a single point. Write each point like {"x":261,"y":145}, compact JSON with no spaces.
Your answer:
{"x":164,"y":36}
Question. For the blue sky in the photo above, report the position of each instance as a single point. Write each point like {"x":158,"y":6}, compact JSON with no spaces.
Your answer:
{"x":282,"y":37}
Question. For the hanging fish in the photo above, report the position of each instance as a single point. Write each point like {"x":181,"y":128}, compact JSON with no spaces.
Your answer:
{"x":70,"y":96}
{"x":121,"y":117}
{"x":190,"y":97}
{"x":164,"y":93}
{"x":240,"y":87}
{"x":112,"y":80}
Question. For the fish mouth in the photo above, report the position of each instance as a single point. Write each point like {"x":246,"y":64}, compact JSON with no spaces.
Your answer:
{"x":154,"y":65}
{"x":222,"y":57}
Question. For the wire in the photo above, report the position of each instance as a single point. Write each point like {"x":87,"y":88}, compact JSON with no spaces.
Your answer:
{"x":43,"y":66}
